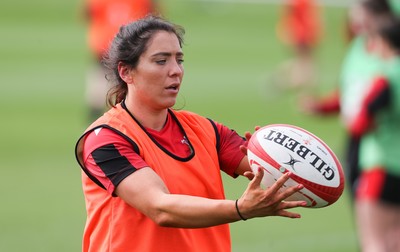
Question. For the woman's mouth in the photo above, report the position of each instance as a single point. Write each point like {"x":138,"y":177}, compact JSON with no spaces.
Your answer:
{"x":174,"y":87}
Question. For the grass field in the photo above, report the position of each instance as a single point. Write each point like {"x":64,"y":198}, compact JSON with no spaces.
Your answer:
{"x":231,"y":49}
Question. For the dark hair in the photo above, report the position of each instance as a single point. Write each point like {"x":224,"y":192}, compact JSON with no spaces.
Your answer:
{"x":389,"y":30}
{"x":376,"y":7}
{"x":127,"y":47}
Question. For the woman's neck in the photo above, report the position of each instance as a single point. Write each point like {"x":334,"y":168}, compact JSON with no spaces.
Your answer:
{"x":148,"y":117}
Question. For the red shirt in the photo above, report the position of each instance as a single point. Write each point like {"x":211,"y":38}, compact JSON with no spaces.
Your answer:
{"x":112,"y":157}
{"x":300,"y":23}
{"x":106,"y":17}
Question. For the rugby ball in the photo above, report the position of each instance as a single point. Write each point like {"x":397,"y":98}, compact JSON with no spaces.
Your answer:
{"x":282,"y":148}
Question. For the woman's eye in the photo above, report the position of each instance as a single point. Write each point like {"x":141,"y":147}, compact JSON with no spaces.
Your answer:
{"x":161,"y":62}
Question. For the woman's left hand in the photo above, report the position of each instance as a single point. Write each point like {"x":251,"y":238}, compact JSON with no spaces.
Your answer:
{"x":247,"y":135}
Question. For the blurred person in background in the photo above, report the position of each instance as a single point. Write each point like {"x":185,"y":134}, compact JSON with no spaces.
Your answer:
{"x":104,"y":17}
{"x":152,"y":174}
{"x":358,"y":66}
{"x":300,"y":28}
{"x":377,"y":124}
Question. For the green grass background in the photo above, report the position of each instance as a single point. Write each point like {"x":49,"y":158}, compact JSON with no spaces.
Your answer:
{"x":230,"y":50}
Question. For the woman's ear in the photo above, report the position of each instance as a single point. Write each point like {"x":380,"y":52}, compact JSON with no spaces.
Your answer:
{"x":125,"y":73}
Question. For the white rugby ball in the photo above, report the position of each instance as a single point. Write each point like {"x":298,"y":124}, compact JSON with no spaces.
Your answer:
{"x":282,"y":148}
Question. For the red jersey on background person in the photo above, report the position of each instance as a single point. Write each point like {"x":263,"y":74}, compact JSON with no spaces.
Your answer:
{"x":106,"y":16}
{"x":300,"y":23}
{"x":299,"y":27}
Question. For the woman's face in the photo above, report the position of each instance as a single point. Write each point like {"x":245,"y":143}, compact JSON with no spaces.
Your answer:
{"x":157,"y":77}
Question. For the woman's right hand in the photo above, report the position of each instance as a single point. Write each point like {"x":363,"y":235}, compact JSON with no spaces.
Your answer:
{"x":259,"y":202}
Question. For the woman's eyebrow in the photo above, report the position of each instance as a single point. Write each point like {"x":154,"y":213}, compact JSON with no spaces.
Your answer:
{"x":166,"y":54}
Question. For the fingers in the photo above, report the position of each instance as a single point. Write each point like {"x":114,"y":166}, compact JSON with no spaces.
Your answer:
{"x":247,"y":135}
{"x":261,"y":202}
{"x":288,"y":191}
{"x":291,"y":190}
{"x":293,"y":204}
{"x":288,"y":214}
{"x":280,"y":182}
{"x":256,"y":181}
{"x":248,"y":174}
{"x":243,"y":149}
{"x":288,"y":205}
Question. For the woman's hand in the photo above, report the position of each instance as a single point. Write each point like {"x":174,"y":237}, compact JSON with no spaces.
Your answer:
{"x":244,"y":167}
{"x":259,"y":202}
{"x":247,"y":135}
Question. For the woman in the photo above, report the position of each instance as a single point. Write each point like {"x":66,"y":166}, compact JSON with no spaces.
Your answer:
{"x":378,"y":122}
{"x":300,"y":27}
{"x":152,"y":177}
{"x":358,"y":66}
